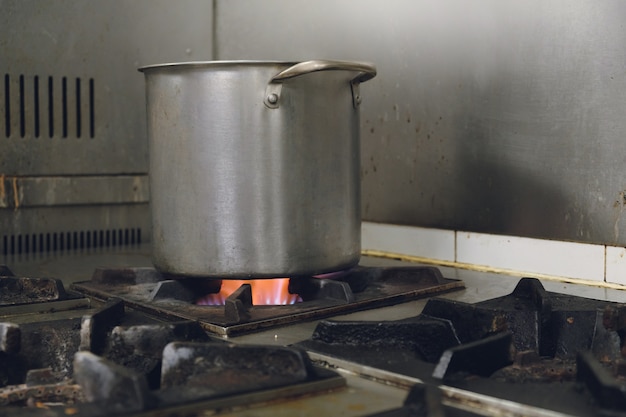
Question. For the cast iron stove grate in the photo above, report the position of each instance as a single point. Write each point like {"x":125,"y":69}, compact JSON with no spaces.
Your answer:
{"x":536,"y":348}
{"x":60,"y":355}
{"x":360,"y":288}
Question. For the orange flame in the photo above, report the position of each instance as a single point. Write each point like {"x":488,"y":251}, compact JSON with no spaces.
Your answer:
{"x":273,"y":291}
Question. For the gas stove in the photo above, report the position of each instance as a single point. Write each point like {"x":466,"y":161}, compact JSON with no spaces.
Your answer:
{"x":99,"y":332}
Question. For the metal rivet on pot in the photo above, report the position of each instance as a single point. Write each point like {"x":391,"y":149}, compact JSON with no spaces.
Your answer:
{"x":272,"y":98}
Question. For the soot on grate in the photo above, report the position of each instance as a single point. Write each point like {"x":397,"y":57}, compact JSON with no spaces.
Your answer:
{"x":531,"y":338}
{"x":66,"y":357}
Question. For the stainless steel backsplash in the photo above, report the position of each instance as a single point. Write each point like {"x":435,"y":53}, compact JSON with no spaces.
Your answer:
{"x":492,"y":116}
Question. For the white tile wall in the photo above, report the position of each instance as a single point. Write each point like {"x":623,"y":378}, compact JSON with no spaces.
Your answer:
{"x":547,"y":257}
{"x":616,"y":265}
{"x":565,"y":259}
{"x":407,"y":240}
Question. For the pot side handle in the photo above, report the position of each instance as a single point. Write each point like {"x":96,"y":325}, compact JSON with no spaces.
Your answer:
{"x":365,"y":72}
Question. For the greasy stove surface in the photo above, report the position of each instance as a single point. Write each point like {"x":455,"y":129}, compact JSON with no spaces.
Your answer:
{"x":60,"y":355}
{"x":395,"y":393}
{"x":513,"y":347}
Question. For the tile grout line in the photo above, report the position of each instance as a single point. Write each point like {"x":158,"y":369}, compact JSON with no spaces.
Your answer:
{"x":456,"y":237}
{"x":605,"y":260}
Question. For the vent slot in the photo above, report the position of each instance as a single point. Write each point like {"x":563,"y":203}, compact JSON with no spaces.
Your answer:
{"x":7,"y":105}
{"x":69,"y":240}
{"x":50,"y":107}
{"x":92,"y":115}
{"x":67,"y":110}
{"x":64,"y":105}
{"x":22,"y":108}
{"x":36,"y":109}
{"x":78,"y":125}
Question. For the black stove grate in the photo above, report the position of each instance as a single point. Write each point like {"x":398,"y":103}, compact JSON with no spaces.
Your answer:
{"x":361,"y":288}
{"x":69,"y":357}
{"x":516,"y":347}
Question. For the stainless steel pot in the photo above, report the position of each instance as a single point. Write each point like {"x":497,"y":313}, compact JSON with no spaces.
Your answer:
{"x":254,"y":167}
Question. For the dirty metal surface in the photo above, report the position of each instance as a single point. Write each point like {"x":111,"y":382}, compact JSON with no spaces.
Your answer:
{"x":227,"y":368}
{"x":28,"y":343}
{"x":427,"y":401}
{"x":61,"y":392}
{"x":369,"y":287}
{"x":69,"y":357}
{"x":527,"y":343}
{"x":106,"y":388}
{"x":607,"y":390}
{"x":20,"y":290}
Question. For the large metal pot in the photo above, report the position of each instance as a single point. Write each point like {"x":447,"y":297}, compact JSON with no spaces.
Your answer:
{"x":254,"y":167}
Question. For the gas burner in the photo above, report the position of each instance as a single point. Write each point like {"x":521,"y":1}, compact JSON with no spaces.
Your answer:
{"x":360,"y":288}
{"x":514,"y":347}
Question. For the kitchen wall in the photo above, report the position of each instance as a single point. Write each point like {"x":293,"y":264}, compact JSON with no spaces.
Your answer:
{"x":96,"y":42}
{"x":73,"y":144}
{"x":487,"y":116}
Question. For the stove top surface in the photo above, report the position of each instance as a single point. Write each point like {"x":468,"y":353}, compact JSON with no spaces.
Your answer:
{"x":358,"y":387}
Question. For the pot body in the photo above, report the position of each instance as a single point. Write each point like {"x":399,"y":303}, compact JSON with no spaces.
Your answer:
{"x":253,"y":175}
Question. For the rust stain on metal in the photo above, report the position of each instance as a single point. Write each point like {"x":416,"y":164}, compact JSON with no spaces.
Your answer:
{"x":498,"y":323}
{"x":16,"y":199}
{"x":60,"y":392}
{"x":4,"y":197}
{"x":3,"y":192}
{"x":356,"y":407}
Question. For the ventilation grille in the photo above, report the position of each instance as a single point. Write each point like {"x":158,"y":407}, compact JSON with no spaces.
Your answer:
{"x":61,"y":241}
{"x":49,"y":107}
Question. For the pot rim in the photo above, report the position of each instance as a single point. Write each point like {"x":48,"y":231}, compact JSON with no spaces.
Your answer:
{"x":204,"y":64}
{"x":225,"y":63}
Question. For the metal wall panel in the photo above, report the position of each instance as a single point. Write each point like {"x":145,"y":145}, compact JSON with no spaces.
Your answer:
{"x":40,"y":230}
{"x":491,"y":116}
{"x":71,"y":99}
{"x":73,"y":145}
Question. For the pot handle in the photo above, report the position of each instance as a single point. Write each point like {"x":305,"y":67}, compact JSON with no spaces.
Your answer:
{"x":365,"y":72}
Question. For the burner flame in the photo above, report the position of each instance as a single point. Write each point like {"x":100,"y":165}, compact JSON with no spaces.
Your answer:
{"x":273,"y":291}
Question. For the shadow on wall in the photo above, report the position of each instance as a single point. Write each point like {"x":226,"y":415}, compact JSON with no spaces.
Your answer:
{"x":510,"y":168}
{"x":495,"y":196}
{"x":539,"y":149}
